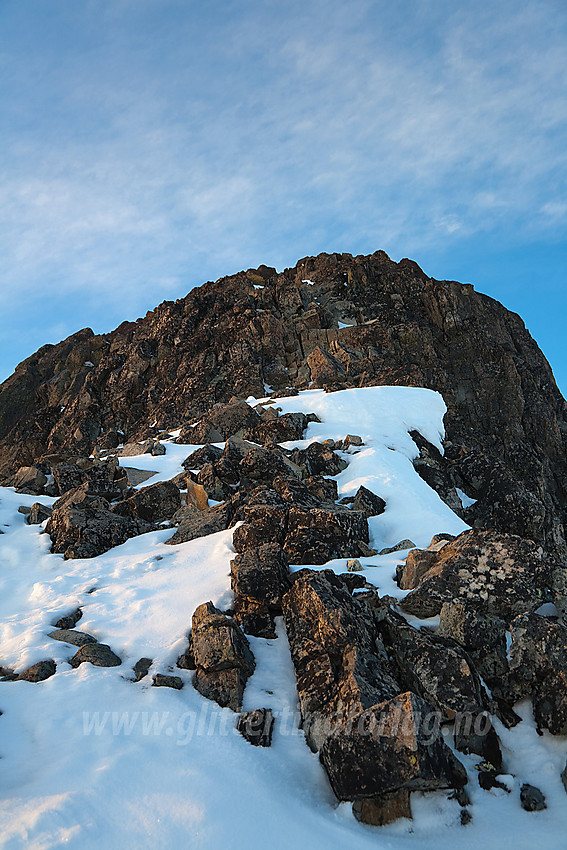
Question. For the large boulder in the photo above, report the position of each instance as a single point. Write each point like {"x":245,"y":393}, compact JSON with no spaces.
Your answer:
{"x":192,"y":522}
{"x":155,"y":503}
{"x":497,"y":574}
{"x":83,"y":526}
{"x":222,"y":657}
{"x":538,"y":668}
{"x":316,"y":535}
{"x":259,"y":577}
{"x":221,"y":422}
{"x":394,"y":745}
{"x":30,"y":479}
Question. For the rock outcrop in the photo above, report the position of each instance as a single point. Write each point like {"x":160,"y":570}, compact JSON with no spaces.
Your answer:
{"x":506,"y":422}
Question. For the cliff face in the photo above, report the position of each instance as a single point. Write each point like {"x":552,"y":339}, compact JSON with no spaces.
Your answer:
{"x":335,"y":321}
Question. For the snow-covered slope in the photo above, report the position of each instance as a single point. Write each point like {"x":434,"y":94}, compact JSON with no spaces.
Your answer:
{"x":90,"y":759}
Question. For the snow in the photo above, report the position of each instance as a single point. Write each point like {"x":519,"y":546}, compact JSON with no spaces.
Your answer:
{"x":89,"y":759}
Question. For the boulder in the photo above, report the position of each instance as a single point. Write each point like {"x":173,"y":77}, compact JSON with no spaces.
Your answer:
{"x":368,"y":502}
{"x":497,"y":574}
{"x":198,"y":458}
{"x":482,"y":637}
{"x":254,"y":618}
{"x":261,"y":575}
{"x":279,"y":429}
{"x":97,"y":654}
{"x":538,"y":668}
{"x":73,"y":637}
{"x":222,"y":656}
{"x":193,"y":523}
{"x":221,"y":422}
{"x":135,"y":449}
{"x":38,"y":672}
{"x":30,"y":479}
{"x":83,"y":526}
{"x":38,"y":514}
{"x":315,"y":536}
{"x":390,"y":747}
{"x":319,"y":459}
{"x":262,"y":524}
{"x":154,"y":503}
{"x":264,"y":464}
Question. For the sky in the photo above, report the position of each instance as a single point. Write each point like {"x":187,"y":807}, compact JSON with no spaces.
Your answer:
{"x":150,"y":145}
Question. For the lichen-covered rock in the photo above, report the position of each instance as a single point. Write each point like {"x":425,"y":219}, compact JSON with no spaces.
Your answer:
{"x":154,"y":503}
{"x":538,"y":668}
{"x":222,"y":657}
{"x":483,"y":638}
{"x":497,"y":574}
{"x":38,"y":514}
{"x":393,"y":746}
{"x":193,"y":523}
{"x":261,"y":575}
{"x":316,"y":535}
{"x":83,"y":526}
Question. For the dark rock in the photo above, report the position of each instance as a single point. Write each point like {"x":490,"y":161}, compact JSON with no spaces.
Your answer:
{"x":135,"y":477}
{"x":319,"y":459}
{"x":195,"y":523}
{"x":135,"y":449}
{"x":200,"y":457}
{"x":98,"y":654}
{"x":142,"y":668}
{"x":155,"y":503}
{"x":496,"y":574}
{"x":538,"y":668}
{"x":440,"y":674}
{"x":221,"y":422}
{"x":68,"y":476}
{"x":256,"y":726}
{"x":262,"y":524}
{"x":290,"y":426}
{"x":215,"y":488}
{"x":38,"y":672}
{"x":564,"y":777}
{"x":70,"y":620}
{"x":483,"y":637}
{"x":73,"y":637}
{"x":399,"y":547}
{"x":254,"y":618}
{"x":316,"y":536}
{"x":30,"y":479}
{"x":378,"y":811}
{"x":225,"y":339}
{"x":161,"y":681}
{"x":368,"y":503}
{"x":83,"y":526}
{"x":390,"y":748}
{"x":532,"y":799}
{"x":322,"y":489}
{"x":261,"y":575}
{"x":353,"y":581}
{"x":222,"y":656}
{"x":264,"y":464}
{"x":38,"y":514}
{"x":294,"y":491}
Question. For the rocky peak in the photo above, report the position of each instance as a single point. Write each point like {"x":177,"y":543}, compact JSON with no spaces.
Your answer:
{"x":335,"y":321}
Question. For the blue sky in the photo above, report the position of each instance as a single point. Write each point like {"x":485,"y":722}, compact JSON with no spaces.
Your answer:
{"x":150,"y":145}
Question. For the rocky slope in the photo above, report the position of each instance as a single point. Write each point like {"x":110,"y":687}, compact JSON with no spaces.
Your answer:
{"x":334,"y":321}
